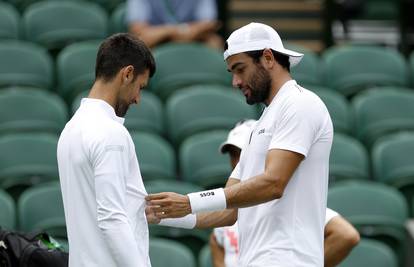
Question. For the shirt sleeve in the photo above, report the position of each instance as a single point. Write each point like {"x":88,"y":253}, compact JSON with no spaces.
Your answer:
{"x":219,"y":235}
{"x":295,"y":131}
{"x":110,"y":159}
{"x":235,"y":174}
{"x":329,"y":215}
{"x":206,"y":10}
{"x":137,"y":11}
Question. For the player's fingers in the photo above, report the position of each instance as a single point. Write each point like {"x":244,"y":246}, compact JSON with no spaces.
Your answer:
{"x":156,"y":196}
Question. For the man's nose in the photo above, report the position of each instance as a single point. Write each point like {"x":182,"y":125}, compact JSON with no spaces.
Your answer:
{"x":236,"y":81}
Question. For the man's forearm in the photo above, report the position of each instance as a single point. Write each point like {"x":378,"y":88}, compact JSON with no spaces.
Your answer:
{"x":216,"y":218}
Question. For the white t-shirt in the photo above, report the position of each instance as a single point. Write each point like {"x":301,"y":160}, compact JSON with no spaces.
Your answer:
{"x":288,"y":231}
{"x":102,"y":188}
{"x":228,"y":237}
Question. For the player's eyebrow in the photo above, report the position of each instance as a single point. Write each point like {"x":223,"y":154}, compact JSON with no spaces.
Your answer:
{"x":235,"y":66}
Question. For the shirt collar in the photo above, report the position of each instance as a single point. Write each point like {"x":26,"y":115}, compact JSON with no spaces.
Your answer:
{"x":104,"y":106}
{"x":282,"y":90}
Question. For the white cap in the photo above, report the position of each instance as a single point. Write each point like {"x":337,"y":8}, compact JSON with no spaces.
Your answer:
{"x":238,"y":135}
{"x":258,"y":36}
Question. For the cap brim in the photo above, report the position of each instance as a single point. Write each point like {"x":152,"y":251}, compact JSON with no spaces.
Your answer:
{"x":294,"y":57}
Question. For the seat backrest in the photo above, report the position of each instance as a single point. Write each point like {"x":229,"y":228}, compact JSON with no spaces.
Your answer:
{"x":27,"y":158}
{"x":392,"y":158}
{"x":202,"y":108}
{"x":411,"y":74}
{"x":76,"y":68}
{"x":30,"y":110}
{"x":9,"y":21}
{"x":72,"y":21}
{"x":164,"y":252}
{"x":155,"y":155}
{"x":117,"y":20}
{"x":350,"y":69}
{"x":369,"y":203}
{"x":204,"y":259}
{"x":307,"y":72}
{"x":32,"y":213}
{"x":181,"y":65}
{"x":25,"y":64}
{"x":348,"y":160}
{"x":382,"y":111}
{"x":339,"y":108}
{"x":201,"y":161}
{"x":8,"y":211}
{"x":370,"y":253}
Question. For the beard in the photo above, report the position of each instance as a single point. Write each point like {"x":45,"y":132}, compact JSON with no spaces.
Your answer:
{"x":121,"y":108}
{"x":260,"y":85}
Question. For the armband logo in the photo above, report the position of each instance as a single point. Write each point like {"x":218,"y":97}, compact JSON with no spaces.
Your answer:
{"x":206,"y":194}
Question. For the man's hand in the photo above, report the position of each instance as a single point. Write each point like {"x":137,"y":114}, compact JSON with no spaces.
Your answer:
{"x":168,"y":205}
{"x":151,"y":217}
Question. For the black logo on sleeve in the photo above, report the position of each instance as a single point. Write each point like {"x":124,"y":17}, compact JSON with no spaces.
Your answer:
{"x":206,"y":194}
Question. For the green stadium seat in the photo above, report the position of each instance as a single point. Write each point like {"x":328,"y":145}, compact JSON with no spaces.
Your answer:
{"x":8,"y":211}
{"x":307,"y":72}
{"x":181,"y":65}
{"x":383,"y":111}
{"x":338,"y":107}
{"x":76,"y":68}
{"x":381,"y":10}
{"x":9,"y":21}
{"x":27,"y":159}
{"x":194,"y":239}
{"x":201,"y":162}
{"x":155,"y":156}
{"x":393,"y":163}
{"x":164,"y":252}
{"x":378,"y":211}
{"x":370,"y":253}
{"x":205,"y":107}
{"x":55,"y":24}
{"x":146,"y":116}
{"x":31,"y":110}
{"x":411,"y":62}
{"x":348,"y":160}
{"x":117,"y":19}
{"x":204,"y":259}
{"x":351,"y":69}
{"x":25,"y":64}
{"x":40,"y":208}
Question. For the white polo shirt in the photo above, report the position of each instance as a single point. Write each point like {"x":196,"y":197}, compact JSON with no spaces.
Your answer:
{"x":102,"y":188}
{"x":227,"y":237}
{"x":288,"y":231}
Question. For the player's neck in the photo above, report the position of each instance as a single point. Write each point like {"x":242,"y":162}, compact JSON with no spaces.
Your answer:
{"x":277,"y":82}
{"x":105,"y":91}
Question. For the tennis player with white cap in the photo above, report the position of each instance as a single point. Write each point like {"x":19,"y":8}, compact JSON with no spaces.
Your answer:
{"x":340,"y":237}
{"x":278,"y":190}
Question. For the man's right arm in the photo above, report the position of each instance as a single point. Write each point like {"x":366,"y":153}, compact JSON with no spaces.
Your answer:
{"x":217,"y":251}
{"x":340,"y":238}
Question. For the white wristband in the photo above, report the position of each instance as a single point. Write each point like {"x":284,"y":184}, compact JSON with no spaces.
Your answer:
{"x":187,"y":222}
{"x":209,"y":200}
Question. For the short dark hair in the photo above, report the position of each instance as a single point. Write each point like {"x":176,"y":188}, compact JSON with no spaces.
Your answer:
{"x":119,"y":51}
{"x":282,"y":59}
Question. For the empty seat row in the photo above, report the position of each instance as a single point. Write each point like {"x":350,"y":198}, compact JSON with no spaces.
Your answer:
{"x":370,"y":115}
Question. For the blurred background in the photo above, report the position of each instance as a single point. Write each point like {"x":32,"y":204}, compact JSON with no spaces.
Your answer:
{"x":358,"y":59}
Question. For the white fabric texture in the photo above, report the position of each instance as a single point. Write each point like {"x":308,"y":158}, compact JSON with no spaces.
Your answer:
{"x":288,"y":231}
{"x":228,"y":237}
{"x":102,"y":188}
